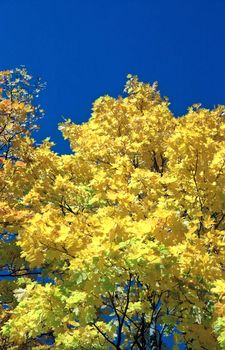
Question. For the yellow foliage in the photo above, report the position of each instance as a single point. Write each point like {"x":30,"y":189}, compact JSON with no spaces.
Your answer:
{"x":130,"y":227}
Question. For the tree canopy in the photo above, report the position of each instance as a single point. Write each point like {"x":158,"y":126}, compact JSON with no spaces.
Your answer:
{"x":120,"y":244}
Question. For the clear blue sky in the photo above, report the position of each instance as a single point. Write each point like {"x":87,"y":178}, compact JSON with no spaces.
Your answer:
{"x":85,"y":48}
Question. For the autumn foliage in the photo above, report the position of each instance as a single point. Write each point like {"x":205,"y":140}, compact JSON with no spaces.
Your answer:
{"x":120,"y":244}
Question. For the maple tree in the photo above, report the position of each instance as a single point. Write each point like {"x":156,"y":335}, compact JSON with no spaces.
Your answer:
{"x":120,"y":244}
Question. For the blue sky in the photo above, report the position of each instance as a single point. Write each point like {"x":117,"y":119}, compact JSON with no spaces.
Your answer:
{"x":85,"y":48}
